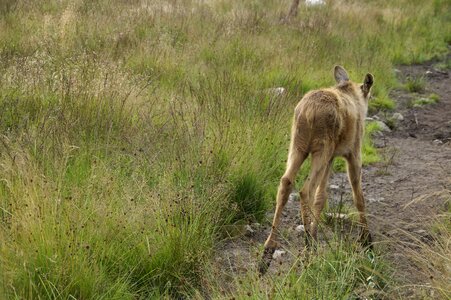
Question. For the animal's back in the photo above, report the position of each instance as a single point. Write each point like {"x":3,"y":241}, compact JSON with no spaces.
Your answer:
{"x":326,"y":116}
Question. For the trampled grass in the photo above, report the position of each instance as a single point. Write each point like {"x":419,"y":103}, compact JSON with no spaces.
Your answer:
{"x":133,"y":131}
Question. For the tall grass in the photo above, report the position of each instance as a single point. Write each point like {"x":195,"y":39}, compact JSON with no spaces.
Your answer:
{"x":132,"y":131}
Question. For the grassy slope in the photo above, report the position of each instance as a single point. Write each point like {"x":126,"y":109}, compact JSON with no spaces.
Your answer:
{"x":131,"y":131}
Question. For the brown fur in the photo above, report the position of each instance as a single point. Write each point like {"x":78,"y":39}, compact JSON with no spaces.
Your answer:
{"x":327,"y":123}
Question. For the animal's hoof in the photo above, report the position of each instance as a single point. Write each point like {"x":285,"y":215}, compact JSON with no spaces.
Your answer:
{"x":310,"y":242}
{"x":266,"y":260}
{"x":366,"y":240}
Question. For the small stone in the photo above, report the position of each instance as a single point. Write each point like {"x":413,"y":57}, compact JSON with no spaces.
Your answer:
{"x":383,"y":126}
{"x":397,"y":70}
{"x":379,"y":144}
{"x":300,"y":228}
{"x":369,"y":119}
{"x":249,"y":230}
{"x":337,"y":216}
{"x":398,"y":116}
{"x":376,"y":199}
{"x":314,"y":2}
{"x":334,"y":187}
{"x":371,"y":285}
{"x":278,"y":91}
{"x":437,"y":142}
{"x":428,"y":72}
{"x":379,"y":134}
{"x":278,"y":254}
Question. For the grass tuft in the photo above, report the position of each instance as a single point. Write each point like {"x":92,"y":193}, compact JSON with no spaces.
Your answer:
{"x":247,"y":198}
{"x":382,"y":103}
{"x":424,"y":101}
{"x":415,"y":84}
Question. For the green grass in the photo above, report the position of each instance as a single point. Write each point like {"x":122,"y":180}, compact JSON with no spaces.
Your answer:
{"x":432,"y":99}
{"x":132,"y":135}
{"x":415,"y":84}
{"x":382,"y":103}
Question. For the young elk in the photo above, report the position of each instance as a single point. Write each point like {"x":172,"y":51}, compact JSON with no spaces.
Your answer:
{"x":327,"y":123}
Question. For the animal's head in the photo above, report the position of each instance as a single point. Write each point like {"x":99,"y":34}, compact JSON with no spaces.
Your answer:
{"x":361,"y":90}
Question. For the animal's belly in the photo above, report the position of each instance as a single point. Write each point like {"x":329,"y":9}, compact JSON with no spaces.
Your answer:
{"x":342,"y":150}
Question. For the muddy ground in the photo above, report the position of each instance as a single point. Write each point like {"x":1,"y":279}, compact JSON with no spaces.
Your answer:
{"x":404,"y":192}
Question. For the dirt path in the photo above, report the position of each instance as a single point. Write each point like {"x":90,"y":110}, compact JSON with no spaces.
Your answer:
{"x":403,"y":193}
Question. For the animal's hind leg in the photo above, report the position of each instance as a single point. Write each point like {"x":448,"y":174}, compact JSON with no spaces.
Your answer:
{"x":295,"y":160}
{"x":306,"y":211}
{"x":354,"y":173}
{"x":320,"y":198}
{"x":320,"y":165}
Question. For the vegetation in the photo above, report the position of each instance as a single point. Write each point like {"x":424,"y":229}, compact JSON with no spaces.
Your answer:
{"x":338,"y":272}
{"x":381,"y":103}
{"x":132,"y":132}
{"x":432,"y":251}
{"x":431,"y":99}
{"x":443,"y":65}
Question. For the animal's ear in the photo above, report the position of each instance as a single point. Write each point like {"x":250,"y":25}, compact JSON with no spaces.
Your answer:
{"x":340,"y":74}
{"x":367,"y":83}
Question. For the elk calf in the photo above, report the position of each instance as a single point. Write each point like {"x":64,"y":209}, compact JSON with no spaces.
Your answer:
{"x":327,"y":123}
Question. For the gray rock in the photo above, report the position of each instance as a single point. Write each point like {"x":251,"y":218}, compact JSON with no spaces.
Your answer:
{"x":437,"y":142}
{"x":398,"y":116}
{"x":375,"y":199}
{"x":278,"y":254}
{"x":337,"y":216}
{"x":379,"y":134}
{"x":379,"y":143}
{"x":334,"y":187}
{"x":383,"y":127}
{"x":300,"y":228}
{"x":249,"y":230}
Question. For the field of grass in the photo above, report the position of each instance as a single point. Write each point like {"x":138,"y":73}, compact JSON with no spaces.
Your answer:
{"x":132,"y":132}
